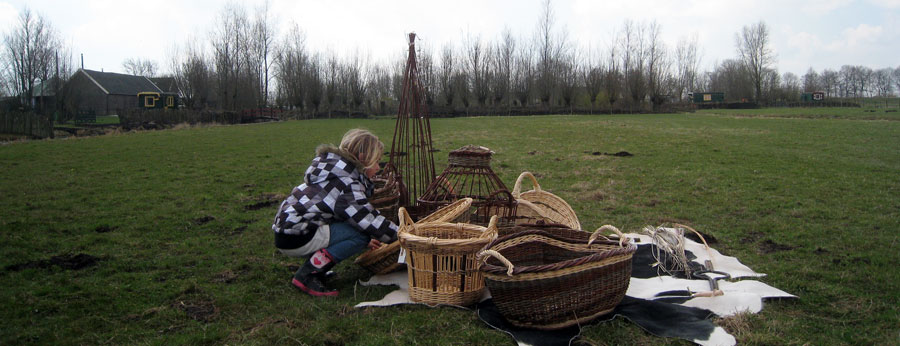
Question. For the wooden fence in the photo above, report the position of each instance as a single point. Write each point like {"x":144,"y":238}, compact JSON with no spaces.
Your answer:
{"x":27,"y":124}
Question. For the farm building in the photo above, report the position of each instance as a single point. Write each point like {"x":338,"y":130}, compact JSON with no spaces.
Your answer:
{"x":105,"y":93}
{"x":817,"y":96}
{"x":708,"y":97}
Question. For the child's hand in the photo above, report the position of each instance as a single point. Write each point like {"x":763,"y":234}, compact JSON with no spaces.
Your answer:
{"x":374,"y":244}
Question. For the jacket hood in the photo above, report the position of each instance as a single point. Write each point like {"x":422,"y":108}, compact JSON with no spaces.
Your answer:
{"x":355,"y":172}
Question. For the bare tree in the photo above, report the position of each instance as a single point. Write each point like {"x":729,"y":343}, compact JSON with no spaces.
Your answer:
{"x":475,"y":67}
{"x":550,"y":48}
{"x":896,"y":77}
{"x":830,"y":82}
{"x":593,"y":76}
{"x":445,"y":75}
{"x":291,"y":66}
{"x":687,"y":66}
{"x":756,"y":56}
{"x":31,"y":51}
{"x":194,"y":74}
{"x":657,"y":66}
{"x":811,"y":81}
{"x":790,"y":87}
{"x":524,"y":75}
{"x":882,"y":82}
{"x":612,"y":83}
{"x":568,"y":72}
{"x":355,"y":80}
{"x":264,"y":34}
{"x":503,"y":59}
{"x":140,"y":67}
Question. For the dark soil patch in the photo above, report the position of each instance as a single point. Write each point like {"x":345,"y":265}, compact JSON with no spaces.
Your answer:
{"x":200,"y":310}
{"x":239,"y":230}
{"x":265,"y":201}
{"x":67,"y":262}
{"x":203,"y":220}
{"x":710,"y":239}
{"x":618,"y":154}
{"x":663,"y":220}
{"x":226,"y":276}
{"x":105,"y":229}
{"x":751,"y":237}
{"x":769,"y":246}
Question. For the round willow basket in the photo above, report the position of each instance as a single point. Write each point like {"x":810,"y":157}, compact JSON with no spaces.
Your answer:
{"x":383,"y":260}
{"x":441,"y":260}
{"x":548,"y":281}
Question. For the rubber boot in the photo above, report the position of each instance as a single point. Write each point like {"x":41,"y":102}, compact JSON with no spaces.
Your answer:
{"x":309,"y":277}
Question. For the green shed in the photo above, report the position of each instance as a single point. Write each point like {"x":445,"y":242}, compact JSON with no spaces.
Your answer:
{"x":708,"y":97}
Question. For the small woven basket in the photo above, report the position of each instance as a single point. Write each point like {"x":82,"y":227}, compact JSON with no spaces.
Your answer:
{"x":386,"y":197}
{"x":383,"y":260}
{"x":543,"y":204}
{"x":547,"y":281}
{"x":441,"y":260}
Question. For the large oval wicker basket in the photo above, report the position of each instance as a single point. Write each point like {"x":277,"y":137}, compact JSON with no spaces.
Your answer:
{"x":383,"y":260}
{"x":441,"y":260}
{"x":543,"y":204}
{"x":548,"y":281}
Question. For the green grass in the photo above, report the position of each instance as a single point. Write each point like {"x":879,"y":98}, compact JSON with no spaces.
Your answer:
{"x":182,"y":260}
{"x":860,"y":113}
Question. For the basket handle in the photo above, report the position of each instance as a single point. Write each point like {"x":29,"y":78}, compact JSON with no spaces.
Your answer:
{"x":483,"y":255}
{"x":622,"y":238}
{"x":491,"y":231}
{"x":517,"y":189}
{"x":405,"y":220}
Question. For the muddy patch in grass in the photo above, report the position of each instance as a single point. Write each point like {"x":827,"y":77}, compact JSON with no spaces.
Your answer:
{"x":751,"y":237}
{"x":105,"y":228}
{"x":710,"y":239}
{"x":265,"y":200}
{"x":67,"y":262}
{"x":227,"y":276}
{"x":768,"y":246}
{"x":203,"y":220}
{"x":617,"y":154}
{"x":197,"y":308}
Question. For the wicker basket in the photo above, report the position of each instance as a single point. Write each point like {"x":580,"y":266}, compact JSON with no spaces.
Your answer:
{"x":546,"y":226}
{"x":546,"y":281}
{"x":383,"y":260}
{"x":441,"y":260}
{"x":386,"y":197}
{"x":548,"y":205}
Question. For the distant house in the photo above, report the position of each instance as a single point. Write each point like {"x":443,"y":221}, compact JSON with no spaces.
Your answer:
{"x":106,"y":93}
{"x":708,"y":97}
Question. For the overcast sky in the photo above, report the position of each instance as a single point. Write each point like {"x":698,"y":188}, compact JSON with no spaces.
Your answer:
{"x":805,"y":33}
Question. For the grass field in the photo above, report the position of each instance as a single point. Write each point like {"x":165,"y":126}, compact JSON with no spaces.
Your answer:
{"x":163,"y":237}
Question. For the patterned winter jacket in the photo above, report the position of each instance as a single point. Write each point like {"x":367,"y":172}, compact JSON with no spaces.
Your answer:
{"x":335,"y":189}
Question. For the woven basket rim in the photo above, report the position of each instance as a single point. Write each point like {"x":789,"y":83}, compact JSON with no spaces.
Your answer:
{"x":598,"y":255}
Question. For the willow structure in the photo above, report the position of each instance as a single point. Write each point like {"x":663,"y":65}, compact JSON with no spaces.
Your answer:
{"x":411,"y":150}
{"x":469,"y":175}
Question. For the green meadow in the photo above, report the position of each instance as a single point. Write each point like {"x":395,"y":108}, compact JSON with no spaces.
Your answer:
{"x":162,"y":237}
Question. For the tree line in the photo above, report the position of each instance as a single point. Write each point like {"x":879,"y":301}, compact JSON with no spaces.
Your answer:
{"x":245,"y":62}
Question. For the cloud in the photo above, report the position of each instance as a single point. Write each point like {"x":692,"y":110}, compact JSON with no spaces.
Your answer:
{"x":861,"y":34}
{"x":8,"y":15}
{"x":886,"y":3}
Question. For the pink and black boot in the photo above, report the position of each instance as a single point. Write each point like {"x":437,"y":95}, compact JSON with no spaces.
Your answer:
{"x":310,"y":277}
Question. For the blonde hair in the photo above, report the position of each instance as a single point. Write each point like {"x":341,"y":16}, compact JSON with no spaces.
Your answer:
{"x":364,"y":145}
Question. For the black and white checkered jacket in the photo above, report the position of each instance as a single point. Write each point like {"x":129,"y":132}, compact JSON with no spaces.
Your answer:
{"x":335,"y":189}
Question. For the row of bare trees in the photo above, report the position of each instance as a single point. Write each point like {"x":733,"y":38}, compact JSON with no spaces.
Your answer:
{"x":245,"y":62}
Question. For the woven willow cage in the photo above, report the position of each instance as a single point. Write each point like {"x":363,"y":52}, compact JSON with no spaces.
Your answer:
{"x":411,"y":151}
{"x":469,"y":175}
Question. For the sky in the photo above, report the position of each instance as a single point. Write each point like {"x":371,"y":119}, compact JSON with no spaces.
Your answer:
{"x":805,"y":34}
